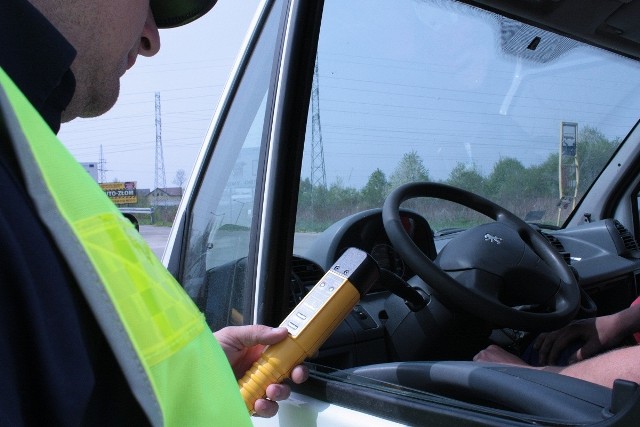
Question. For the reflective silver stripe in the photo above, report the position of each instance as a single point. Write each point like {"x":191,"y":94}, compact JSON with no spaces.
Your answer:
{"x":79,"y":263}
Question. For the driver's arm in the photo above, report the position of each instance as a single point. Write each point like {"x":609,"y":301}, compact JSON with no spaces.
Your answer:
{"x":606,"y":368}
{"x":603,"y":369}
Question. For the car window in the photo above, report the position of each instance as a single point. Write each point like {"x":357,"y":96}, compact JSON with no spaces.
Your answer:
{"x":436,"y":90}
{"x":214,"y":264}
{"x":419,"y":90}
{"x":404,"y":91}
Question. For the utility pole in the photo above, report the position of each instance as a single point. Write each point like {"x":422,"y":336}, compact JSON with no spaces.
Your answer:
{"x":318,"y":172}
{"x":160,"y":177}
{"x":102,"y":170}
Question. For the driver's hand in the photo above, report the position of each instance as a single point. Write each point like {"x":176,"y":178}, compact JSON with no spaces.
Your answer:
{"x":243,"y":345}
{"x":496,"y":354}
{"x":597,"y":334}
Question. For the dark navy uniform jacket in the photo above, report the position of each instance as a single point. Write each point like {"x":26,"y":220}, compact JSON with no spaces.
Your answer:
{"x":56,"y":367}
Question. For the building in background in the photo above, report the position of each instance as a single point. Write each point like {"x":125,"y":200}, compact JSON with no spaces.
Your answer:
{"x":169,"y":196}
{"x":91,"y":168}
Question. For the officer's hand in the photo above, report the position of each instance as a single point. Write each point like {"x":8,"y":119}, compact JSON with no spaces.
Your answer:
{"x":243,"y":346}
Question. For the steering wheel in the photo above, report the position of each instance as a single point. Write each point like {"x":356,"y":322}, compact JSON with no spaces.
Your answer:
{"x":505,"y":272}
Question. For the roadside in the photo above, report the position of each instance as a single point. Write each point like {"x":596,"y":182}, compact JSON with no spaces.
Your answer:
{"x":156,"y":238}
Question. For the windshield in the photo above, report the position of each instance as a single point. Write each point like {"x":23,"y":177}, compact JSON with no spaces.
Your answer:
{"x":416,"y":90}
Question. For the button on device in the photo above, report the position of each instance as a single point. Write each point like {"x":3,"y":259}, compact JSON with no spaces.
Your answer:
{"x":292,"y":325}
{"x":301,"y":316}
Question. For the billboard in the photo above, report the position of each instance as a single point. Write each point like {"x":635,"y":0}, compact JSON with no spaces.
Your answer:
{"x":568,"y":172}
{"x":121,"y":193}
{"x":568,"y":139}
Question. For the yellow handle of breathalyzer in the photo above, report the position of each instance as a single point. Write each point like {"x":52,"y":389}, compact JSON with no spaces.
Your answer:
{"x":311,"y":322}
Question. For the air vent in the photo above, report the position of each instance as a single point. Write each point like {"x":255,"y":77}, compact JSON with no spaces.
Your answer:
{"x":555,"y":242}
{"x":628,"y":240}
{"x":304,"y":275}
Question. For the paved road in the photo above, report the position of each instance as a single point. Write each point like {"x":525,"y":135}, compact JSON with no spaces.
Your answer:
{"x":156,"y":237}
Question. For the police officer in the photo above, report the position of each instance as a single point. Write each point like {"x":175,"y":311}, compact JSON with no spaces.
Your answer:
{"x":88,"y":337}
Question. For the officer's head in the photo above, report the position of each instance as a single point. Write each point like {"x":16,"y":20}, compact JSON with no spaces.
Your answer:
{"x":108,"y":37}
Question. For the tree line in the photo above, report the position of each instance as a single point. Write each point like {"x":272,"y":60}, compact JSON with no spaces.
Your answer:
{"x":521,"y":189}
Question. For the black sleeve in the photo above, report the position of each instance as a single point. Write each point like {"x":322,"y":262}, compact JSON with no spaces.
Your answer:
{"x":55,"y":365}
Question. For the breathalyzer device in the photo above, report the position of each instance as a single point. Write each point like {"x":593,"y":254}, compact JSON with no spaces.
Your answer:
{"x":311,"y":322}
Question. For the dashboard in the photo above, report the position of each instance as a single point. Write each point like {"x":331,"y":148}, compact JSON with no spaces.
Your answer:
{"x":606,"y":259}
{"x":603,"y":254}
{"x":365,"y":231}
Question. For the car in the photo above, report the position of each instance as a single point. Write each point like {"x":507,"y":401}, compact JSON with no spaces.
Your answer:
{"x":485,"y":153}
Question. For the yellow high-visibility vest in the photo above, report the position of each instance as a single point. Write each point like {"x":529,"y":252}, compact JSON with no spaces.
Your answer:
{"x":175,"y":367}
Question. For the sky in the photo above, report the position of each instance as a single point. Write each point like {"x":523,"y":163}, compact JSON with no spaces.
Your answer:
{"x":380,"y":79}
{"x":393,"y":79}
{"x":189,"y":73}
